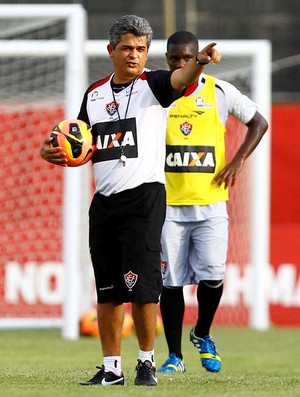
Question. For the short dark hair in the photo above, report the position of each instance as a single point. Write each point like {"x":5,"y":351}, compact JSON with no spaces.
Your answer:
{"x":182,"y":37}
{"x":130,"y":24}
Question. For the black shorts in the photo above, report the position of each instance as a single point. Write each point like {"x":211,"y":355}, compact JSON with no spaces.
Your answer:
{"x":124,"y":237}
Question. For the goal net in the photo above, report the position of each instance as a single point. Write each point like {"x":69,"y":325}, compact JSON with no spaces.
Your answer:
{"x":45,"y":273}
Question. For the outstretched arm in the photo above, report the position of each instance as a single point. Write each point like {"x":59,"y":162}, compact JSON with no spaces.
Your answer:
{"x":257,"y":126}
{"x":185,"y":76}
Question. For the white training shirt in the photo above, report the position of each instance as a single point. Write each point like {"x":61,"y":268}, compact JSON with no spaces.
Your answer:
{"x":142,"y":134}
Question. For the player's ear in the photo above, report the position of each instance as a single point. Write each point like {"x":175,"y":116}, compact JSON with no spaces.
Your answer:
{"x":110,"y":50}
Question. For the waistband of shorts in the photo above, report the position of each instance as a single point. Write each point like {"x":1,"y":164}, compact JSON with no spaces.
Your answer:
{"x":145,"y":187}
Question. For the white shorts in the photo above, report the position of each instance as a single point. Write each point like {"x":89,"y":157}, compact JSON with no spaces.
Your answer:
{"x":194,"y":251}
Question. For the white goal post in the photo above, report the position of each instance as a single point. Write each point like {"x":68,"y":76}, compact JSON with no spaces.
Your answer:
{"x":77,"y":52}
{"x":75,"y":82}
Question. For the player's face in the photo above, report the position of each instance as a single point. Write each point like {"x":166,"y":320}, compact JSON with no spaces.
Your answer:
{"x":129,"y":57}
{"x":179,"y":54}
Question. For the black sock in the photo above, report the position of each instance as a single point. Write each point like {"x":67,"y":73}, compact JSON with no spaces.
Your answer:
{"x":209,"y":294}
{"x":172,"y":311}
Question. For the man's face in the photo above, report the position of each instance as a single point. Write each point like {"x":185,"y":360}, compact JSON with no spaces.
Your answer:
{"x":179,"y":54}
{"x":129,"y":57}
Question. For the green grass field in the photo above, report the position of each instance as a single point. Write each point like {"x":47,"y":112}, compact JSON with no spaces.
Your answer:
{"x":42,"y":364}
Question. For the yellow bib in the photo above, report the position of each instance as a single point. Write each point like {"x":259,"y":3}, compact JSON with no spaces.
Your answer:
{"x":195,"y":150}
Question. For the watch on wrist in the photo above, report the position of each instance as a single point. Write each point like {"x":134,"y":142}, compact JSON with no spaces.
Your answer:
{"x":199,"y":62}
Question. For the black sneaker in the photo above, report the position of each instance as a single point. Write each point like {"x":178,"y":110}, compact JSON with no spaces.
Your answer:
{"x":104,"y":378}
{"x":145,"y":374}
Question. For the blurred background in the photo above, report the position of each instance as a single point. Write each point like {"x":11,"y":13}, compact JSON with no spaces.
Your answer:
{"x":30,"y":264}
{"x":274,"y":20}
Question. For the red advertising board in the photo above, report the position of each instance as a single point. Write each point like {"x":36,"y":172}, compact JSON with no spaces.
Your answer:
{"x":31,"y":270}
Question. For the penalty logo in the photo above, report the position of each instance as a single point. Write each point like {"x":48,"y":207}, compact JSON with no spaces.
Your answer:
{"x":130,"y":279}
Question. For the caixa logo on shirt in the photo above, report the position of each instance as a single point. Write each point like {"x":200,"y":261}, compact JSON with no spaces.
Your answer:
{"x":190,"y":159}
{"x":110,"y":136}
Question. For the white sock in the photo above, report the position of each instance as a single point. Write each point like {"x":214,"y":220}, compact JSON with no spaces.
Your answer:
{"x":113,"y":364}
{"x":149,"y":355}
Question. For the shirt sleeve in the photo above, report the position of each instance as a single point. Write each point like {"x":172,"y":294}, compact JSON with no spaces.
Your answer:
{"x":160,"y":84}
{"x":234,"y":103}
{"x":82,"y":115}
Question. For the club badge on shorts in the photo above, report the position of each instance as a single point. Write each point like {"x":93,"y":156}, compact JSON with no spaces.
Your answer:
{"x":130,"y":279}
{"x":163,"y":265}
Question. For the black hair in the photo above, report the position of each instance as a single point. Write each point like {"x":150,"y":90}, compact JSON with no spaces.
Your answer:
{"x":182,"y":37}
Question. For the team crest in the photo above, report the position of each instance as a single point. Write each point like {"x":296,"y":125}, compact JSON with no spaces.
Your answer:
{"x":111,"y":108}
{"x":130,"y":279}
{"x":186,"y":128}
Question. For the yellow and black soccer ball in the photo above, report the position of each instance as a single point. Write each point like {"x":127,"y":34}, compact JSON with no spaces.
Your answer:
{"x":76,"y":139}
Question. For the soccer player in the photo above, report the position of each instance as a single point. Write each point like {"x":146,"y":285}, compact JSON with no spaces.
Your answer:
{"x":127,"y":111}
{"x":195,"y":233}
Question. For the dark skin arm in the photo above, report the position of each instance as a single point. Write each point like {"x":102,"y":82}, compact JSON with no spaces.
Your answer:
{"x":257,"y":126}
{"x":182,"y":77}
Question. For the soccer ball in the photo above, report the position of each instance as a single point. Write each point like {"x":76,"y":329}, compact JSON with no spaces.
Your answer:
{"x":128,"y":325}
{"x":159,"y":325}
{"x":88,"y":323}
{"x":76,"y":139}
